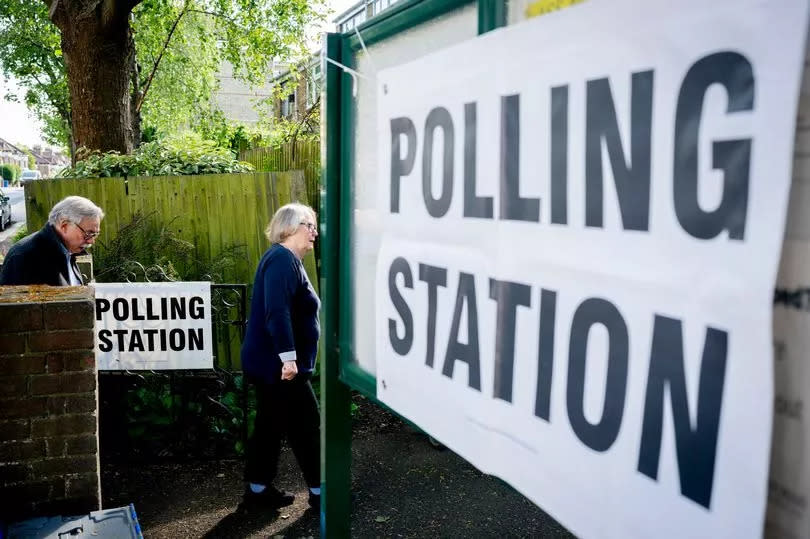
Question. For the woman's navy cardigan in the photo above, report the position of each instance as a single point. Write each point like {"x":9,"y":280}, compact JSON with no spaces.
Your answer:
{"x":283,"y":317}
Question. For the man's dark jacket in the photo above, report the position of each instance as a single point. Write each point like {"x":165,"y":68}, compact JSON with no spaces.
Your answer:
{"x":38,"y":259}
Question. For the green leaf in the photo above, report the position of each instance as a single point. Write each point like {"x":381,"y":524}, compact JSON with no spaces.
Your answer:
{"x":252,"y":35}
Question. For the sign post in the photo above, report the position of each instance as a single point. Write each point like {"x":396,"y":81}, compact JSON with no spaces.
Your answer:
{"x":336,"y":422}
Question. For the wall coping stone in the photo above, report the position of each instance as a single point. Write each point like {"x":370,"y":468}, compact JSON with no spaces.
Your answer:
{"x":45,"y":294}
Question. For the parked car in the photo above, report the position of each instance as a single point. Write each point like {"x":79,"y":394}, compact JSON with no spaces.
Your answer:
{"x":28,"y":175}
{"x":5,"y":211}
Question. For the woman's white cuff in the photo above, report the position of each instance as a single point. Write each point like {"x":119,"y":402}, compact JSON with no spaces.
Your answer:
{"x":288,"y":356}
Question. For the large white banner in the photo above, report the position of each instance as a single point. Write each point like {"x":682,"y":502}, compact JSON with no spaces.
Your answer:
{"x":582,"y":219}
{"x":153,"y":326}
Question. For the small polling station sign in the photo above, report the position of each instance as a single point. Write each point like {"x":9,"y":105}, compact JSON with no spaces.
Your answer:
{"x":153,"y":326}
{"x":582,"y":220}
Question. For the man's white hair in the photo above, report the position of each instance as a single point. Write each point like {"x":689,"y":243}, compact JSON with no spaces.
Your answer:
{"x":74,"y":209}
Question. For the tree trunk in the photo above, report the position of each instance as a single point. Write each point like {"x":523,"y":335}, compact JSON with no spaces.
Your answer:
{"x":134,"y":97}
{"x":73,"y":149}
{"x":98,"y":51}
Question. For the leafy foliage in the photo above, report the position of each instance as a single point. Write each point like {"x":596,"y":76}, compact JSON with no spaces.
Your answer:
{"x":304,"y":126}
{"x":177,"y":70}
{"x":30,"y":52}
{"x":146,"y":250}
{"x":215,"y":127}
{"x":9,"y":172}
{"x":181,"y":45}
{"x":20,"y":234}
{"x":32,"y":162}
{"x":287,"y":131}
{"x":156,"y":159}
{"x":161,"y":415}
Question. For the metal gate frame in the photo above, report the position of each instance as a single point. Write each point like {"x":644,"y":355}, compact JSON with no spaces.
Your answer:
{"x":229,"y":309}
{"x":340,"y":373}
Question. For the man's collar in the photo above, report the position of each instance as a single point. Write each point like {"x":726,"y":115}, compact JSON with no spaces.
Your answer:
{"x":58,"y":239}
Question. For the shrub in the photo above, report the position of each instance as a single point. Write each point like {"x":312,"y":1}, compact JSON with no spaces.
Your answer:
{"x":226,"y":134}
{"x":7,"y":172}
{"x":20,"y":234}
{"x":155,"y":159}
{"x":159,"y":415}
{"x":16,"y":171}
{"x":145,"y":250}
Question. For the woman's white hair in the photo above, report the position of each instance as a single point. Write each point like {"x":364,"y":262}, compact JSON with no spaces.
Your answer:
{"x":287,"y":220}
{"x":74,"y":209}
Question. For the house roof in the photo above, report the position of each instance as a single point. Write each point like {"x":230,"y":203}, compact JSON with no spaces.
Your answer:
{"x":6,"y":146}
{"x":314,"y":60}
{"x":53,"y":159}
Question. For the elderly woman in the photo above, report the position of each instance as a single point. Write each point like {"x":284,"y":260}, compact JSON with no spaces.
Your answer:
{"x":278,"y":356}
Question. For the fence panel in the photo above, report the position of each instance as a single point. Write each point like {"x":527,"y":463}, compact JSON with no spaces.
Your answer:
{"x":213,"y":213}
{"x":300,"y":155}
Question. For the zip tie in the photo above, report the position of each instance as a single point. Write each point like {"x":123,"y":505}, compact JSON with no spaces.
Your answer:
{"x":354,"y":74}
{"x":365,"y":50}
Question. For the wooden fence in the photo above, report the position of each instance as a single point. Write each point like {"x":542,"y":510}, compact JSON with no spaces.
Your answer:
{"x":212,"y":212}
{"x":302,"y":155}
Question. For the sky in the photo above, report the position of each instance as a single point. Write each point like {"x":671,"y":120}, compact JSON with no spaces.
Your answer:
{"x":338,"y":7}
{"x":18,"y":126}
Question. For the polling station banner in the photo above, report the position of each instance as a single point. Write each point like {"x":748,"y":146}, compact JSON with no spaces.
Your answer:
{"x":153,"y":326}
{"x":582,"y":217}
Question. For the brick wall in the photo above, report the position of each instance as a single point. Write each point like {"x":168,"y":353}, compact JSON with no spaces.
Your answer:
{"x":48,"y":403}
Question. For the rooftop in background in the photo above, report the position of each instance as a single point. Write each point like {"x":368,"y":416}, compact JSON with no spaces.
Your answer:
{"x":49,"y":156}
{"x":6,"y":146}
{"x":360,"y":13}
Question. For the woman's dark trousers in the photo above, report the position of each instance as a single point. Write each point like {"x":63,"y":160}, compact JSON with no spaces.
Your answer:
{"x":286,"y":408}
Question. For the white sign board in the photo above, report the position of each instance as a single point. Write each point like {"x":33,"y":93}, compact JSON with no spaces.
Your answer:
{"x":582,"y":222}
{"x":153,"y":326}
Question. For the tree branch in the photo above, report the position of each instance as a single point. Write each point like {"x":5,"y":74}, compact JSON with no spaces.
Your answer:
{"x":53,"y":5}
{"x":303,"y":121}
{"x":217,"y":15}
{"x":45,"y":52}
{"x":151,"y":77}
{"x":116,"y":12}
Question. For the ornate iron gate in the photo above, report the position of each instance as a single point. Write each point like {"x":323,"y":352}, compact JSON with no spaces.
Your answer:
{"x":184,"y":413}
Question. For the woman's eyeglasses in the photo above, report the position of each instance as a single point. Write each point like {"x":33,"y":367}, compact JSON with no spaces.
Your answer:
{"x":310,"y":226}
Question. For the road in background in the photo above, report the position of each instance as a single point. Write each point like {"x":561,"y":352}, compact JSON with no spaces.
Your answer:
{"x":17,"y":199}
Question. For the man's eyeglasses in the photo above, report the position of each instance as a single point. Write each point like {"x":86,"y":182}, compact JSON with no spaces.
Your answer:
{"x":312,"y":227}
{"x":87,"y":235}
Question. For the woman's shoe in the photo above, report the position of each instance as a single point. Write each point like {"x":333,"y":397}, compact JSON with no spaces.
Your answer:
{"x":269,"y":498}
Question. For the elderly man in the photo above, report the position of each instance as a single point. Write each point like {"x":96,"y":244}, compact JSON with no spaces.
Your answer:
{"x":49,"y":256}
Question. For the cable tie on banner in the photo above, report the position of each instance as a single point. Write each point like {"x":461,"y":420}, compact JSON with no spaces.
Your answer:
{"x":365,"y":50}
{"x":354,"y":74}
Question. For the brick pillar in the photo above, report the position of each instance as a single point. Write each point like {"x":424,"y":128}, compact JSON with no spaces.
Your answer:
{"x":48,"y":403}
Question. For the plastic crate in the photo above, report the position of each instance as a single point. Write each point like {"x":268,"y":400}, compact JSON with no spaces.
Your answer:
{"x":121,"y":522}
